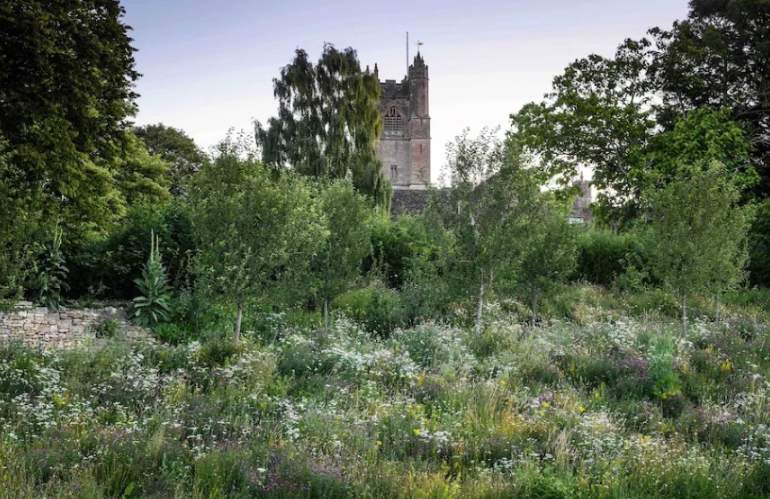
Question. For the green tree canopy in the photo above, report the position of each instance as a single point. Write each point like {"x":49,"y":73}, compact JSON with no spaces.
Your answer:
{"x":695,"y":233}
{"x":607,"y":113}
{"x":66,"y":91}
{"x":599,"y":114}
{"x":699,"y":138}
{"x":338,"y":262}
{"x":328,"y":121}
{"x":19,"y":222}
{"x":177,"y":149}
{"x":719,"y":57}
{"x":492,"y":213}
{"x":254,"y":227}
{"x":142,"y":177}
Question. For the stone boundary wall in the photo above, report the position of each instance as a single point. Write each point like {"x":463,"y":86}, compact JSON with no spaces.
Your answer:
{"x":40,"y":327}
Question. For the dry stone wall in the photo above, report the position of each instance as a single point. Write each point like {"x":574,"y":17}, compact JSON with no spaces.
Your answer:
{"x":39,"y":327}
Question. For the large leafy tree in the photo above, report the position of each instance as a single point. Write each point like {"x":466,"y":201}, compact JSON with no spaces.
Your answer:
{"x":607,"y":113}
{"x":19,"y":222}
{"x":696,"y":140}
{"x":178,"y":149}
{"x":720,"y":57}
{"x":254,"y":228}
{"x":328,"y":121}
{"x":547,"y":259}
{"x":759,"y":246}
{"x":140,"y":176}
{"x":66,"y":79}
{"x":599,"y":114}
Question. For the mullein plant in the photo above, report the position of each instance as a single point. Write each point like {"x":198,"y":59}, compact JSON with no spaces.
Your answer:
{"x":152,"y":305}
{"x":51,"y":275}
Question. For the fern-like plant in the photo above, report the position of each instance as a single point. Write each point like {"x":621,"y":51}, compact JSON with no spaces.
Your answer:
{"x":50,"y":280}
{"x":152,"y":305}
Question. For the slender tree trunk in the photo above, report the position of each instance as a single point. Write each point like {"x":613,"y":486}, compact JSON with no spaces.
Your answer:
{"x":719,"y":308}
{"x":684,"y":316}
{"x":238,"y":318}
{"x":480,"y":308}
{"x":535,"y":300}
{"x":326,"y":315}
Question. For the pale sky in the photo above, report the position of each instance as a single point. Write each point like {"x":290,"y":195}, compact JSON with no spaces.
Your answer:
{"x":208,"y":65}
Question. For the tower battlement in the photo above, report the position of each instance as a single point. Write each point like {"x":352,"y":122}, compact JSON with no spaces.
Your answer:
{"x":404,"y":147}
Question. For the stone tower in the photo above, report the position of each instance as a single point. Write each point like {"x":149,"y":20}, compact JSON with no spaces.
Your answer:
{"x":404,"y":148}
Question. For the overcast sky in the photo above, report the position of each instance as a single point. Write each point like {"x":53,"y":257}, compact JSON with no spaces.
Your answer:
{"x":208,"y":65}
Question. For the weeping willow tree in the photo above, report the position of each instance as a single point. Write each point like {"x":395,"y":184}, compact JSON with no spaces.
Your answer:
{"x":328,"y":122}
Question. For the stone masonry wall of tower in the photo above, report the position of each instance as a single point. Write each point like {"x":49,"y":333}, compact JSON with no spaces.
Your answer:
{"x":404,"y":148}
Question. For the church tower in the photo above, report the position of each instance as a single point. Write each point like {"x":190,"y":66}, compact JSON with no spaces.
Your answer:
{"x":404,"y":148}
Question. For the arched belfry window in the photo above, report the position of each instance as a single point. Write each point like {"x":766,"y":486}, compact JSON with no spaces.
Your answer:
{"x":393,"y":172}
{"x":392,"y":120}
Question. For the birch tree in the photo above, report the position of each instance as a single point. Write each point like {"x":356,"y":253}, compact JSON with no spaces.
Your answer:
{"x":338,"y":262}
{"x":494,"y":205}
{"x":695,"y":234}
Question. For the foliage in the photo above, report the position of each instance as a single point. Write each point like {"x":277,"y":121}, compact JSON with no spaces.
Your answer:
{"x":106,"y":266}
{"x":426,"y":293}
{"x":255,"y":228}
{"x":65,"y":94}
{"x":548,"y":259}
{"x":339,"y":260}
{"x":695,"y":234}
{"x":328,"y":121}
{"x":20,"y":224}
{"x":377,"y":308}
{"x":49,"y":281}
{"x":759,"y":247}
{"x":151,"y":307}
{"x":665,"y":381}
{"x":141,"y":176}
{"x":109,"y":328}
{"x":506,"y":234}
{"x":603,"y":255}
{"x":176,"y":148}
{"x":692,"y":94}
{"x":716,"y":57}
{"x":598,"y":114}
{"x":615,"y":407}
{"x":701,"y":137}
{"x":395,"y":242}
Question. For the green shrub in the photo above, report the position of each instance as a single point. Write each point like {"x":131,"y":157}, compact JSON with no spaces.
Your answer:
{"x":425,"y":345}
{"x":647,"y":300}
{"x":107,"y":329}
{"x":377,"y":308}
{"x":545,"y":484}
{"x":172,"y":333}
{"x":426,"y":293}
{"x":107,"y":266}
{"x":758,"y":482}
{"x":759,"y":247}
{"x":217,"y":351}
{"x":666,"y":382}
{"x":268,"y":326}
{"x":603,"y":256}
{"x":395,"y":243}
{"x":49,"y":276}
